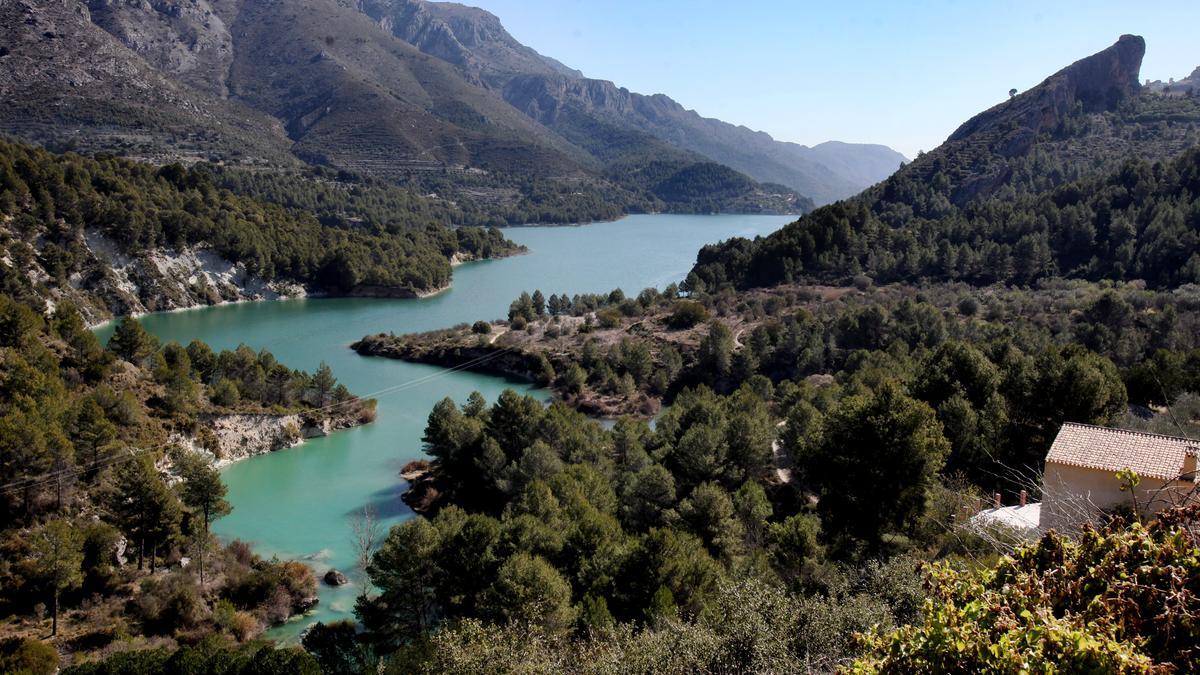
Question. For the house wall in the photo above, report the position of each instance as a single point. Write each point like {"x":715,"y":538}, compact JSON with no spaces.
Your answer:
{"x":1072,"y":496}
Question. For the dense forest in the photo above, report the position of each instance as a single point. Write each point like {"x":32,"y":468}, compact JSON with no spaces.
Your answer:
{"x":974,"y":357}
{"x":342,"y":199}
{"x":51,"y":203}
{"x":1064,"y":209}
{"x":820,"y":444}
{"x":107,"y":490}
{"x":805,"y":502}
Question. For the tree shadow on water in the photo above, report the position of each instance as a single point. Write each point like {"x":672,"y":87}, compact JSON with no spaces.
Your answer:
{"x":385,"y":504}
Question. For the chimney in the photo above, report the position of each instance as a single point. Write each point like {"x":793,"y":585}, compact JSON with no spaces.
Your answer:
{"x":1024,"y":496}
{"x":996,"y":500}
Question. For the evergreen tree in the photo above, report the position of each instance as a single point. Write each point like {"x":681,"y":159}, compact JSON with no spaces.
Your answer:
{"x":144,"y":506}
{"x":202,"y":491}
{"x":876,"y":462}
{"x":324,"y":383}
{"x":57,"y":553}
{"x":131,"y":342}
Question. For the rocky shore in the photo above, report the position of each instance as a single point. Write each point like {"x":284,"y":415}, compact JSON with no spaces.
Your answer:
{"x":227,"y":438}
{"x":165,"y":279}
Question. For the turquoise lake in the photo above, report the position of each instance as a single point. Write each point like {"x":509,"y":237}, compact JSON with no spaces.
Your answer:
{"x":299,"y":503}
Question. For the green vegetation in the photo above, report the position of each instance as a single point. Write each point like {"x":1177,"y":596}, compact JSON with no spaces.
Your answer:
{"x":57,"y":199}
{"x":101,"y":503}
{"x":683,"y":186}
{"x":208,"y":656}
{"x":1064,"y":209}
{"x":550,"y":524}
{"x":1119,"y":600}
{"x":893,"y":410}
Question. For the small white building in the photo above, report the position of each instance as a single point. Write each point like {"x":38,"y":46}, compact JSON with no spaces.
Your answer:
{"x":1080,"y":478}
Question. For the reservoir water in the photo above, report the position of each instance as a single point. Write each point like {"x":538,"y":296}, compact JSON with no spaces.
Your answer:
{"x":299,"y":503}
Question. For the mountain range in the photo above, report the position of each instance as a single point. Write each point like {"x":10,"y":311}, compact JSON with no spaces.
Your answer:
{"x":382,"y":88}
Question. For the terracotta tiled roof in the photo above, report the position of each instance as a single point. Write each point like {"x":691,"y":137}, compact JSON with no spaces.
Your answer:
{"x":1150,"y":455}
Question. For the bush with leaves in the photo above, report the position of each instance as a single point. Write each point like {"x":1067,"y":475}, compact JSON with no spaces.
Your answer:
{"x":1120,"y":599}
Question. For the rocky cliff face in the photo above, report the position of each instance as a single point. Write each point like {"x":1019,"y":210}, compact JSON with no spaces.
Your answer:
{"x":1097,"y":83}
{"x":229,"y":438}
{"x":977,"y":157}
{"x":65,"y":78}
{"x":187,"y":39}
{"x":117,"y":284}
{"x":543,"y":97}
{"x":465,"y":36}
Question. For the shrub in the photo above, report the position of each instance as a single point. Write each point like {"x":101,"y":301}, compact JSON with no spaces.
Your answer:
{"x":481,"y":327}
{"x":25,"y":655}
{"x":686,"y":314}
{"x":225,"y":393}
{"x":169,"y":604}
{"x":1118,"y":600}
{"x":609,"y":318}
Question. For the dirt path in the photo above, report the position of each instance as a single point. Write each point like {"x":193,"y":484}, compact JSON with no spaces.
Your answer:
{"x":496,"y":335}
{"x":783,"y":463}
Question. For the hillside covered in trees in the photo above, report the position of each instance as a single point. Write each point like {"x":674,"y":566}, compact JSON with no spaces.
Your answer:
{"x":108,"y":233}
{"x":820,"y":444}
{"x":108,"y":489}
{"x":805,"y":501}
{"x":1083,"y":176}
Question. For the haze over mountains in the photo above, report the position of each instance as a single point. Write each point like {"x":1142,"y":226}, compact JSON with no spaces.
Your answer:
{"x":379,"y":87}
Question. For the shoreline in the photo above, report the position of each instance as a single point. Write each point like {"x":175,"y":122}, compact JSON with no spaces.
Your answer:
{"x":384,"y":294}
{"x":190,"y":308}
{"x":242,"y":435}
{"x":623,"y":216}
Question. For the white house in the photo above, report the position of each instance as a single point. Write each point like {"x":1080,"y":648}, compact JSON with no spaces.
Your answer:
{"x":1080,"y":479}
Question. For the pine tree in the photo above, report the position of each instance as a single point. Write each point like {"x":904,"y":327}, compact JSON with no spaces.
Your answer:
{"x":131,"y":342}
{"x":324,"y":383}
{"x":57,"y":554}
{"x":144,"y":506}
{"x":203,"y":492}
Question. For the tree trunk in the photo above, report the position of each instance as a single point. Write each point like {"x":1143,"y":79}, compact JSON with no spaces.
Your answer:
{"x":54,"y":614}
{"x":141,"y":551}
{"x":203,"y":548}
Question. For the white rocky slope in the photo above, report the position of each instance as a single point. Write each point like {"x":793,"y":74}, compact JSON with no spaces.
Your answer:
{"x":162,"y":279}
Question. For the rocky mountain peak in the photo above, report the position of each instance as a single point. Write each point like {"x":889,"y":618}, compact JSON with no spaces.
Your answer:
{"x":1093,"y":84}
{"x":468,"y":37}
{"x":1104,"y":79}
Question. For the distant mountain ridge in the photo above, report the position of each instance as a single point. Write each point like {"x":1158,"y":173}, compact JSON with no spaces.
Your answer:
{"x":379,"y":87}
{"x":546,"y":90}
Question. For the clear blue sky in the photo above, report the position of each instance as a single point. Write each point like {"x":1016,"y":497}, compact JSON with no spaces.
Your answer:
{"x":899,"y":73}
